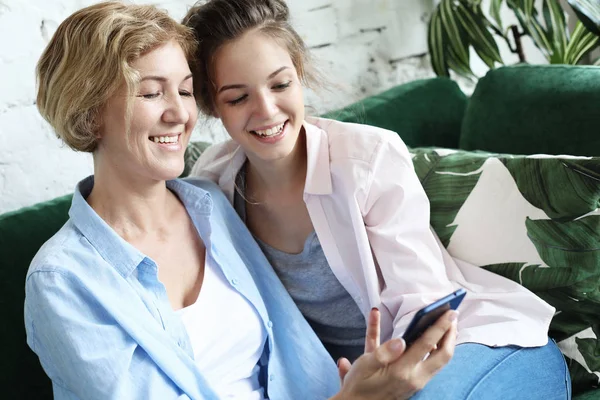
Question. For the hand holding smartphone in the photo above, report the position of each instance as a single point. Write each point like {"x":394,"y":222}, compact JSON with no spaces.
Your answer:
{"x":427,"y":316}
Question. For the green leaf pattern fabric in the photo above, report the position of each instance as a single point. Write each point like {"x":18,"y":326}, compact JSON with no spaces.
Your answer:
{"x":191,"y":155}
{"x":535,"y":220}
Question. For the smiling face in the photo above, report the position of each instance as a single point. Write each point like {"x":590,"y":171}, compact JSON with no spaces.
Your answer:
{"x":162,"y":118}
{"x":259,"y":96}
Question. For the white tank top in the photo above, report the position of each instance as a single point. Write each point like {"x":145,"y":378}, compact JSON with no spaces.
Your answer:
{"x":227,"y":337}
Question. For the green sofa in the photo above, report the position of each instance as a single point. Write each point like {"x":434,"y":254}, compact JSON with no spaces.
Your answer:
{"x":514,"y":110}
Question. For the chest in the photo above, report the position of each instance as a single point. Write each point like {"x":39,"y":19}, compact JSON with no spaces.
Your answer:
{"x":180,"y":256}
{"x":282,"y":225}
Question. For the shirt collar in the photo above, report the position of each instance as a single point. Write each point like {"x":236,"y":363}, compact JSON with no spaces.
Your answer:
{"x":318,"y":173}
{"x":235,"y":160}
{"x":112,"y":248}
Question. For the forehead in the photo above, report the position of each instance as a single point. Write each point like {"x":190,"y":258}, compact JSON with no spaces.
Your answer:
{"x":252,"y":57}
{"x":165,"y":60}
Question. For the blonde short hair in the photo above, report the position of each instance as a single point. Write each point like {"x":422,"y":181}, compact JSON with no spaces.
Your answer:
{"x":89,"y":58}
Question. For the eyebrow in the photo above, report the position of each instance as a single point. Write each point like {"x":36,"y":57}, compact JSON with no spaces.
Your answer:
{"x":161,"y":78}
{"x":240,"y":86}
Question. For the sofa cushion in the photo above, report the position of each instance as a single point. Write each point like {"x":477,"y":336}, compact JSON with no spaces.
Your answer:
{"x":425,"y":112}
{"x":191,"y":155}
{"x":532,"y":219}
{"x":22,"y":233}
{"x":533,"y":109}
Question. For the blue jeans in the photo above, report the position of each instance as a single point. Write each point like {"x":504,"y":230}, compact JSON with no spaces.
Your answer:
{"x":478,"y":372}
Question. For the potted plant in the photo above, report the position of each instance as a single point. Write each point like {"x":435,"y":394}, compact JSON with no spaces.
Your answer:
{"x":457,"y":25}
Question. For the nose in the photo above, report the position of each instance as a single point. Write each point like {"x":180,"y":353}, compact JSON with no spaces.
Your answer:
{"x":176,"y":111}
{"x":265,"y":106}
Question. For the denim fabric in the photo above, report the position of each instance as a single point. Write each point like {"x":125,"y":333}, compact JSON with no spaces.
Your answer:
{"x":478,"y":372}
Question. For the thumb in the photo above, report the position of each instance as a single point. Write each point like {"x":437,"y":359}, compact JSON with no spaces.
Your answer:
{"x":343,"y":367}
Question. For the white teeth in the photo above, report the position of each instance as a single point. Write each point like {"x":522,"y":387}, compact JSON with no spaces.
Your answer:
{"x":164,"y":139}
{"x":271,"y":131}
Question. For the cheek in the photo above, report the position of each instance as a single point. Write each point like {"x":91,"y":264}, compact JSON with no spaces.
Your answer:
{"x":232,"y":119}
{"x":299,"y":95}
{"x":294,"y":101}
{"x":143,"y":116}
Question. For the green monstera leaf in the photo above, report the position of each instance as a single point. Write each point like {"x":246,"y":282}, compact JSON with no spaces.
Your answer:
{"x":448,"y":181}
{"x":582,"y":381}
{"x":533,"y":277}
{"x":590,"y":349}
{"x":570,"y":283}
{"x":575,"y":312}
{"x":573,"y":244}
{"x":574,"y":184}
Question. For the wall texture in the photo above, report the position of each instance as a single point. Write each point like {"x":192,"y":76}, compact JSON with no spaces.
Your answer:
{"x":362,"y":46}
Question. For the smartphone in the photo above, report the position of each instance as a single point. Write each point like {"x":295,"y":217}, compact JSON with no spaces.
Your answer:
{"x":427,"y":315}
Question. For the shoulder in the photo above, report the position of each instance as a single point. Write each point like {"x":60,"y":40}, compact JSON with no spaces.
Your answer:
{"x":65,"y":269}
{"x":58,"y":252}
{"x":360,"y":142}
{"x":214,"y":160}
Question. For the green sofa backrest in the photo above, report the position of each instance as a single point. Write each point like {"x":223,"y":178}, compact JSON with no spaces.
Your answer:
{"x":533,"y":109}
{"x":425,"y":112}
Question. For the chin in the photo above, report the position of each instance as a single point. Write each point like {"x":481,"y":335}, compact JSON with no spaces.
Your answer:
{"x":170,"y":172}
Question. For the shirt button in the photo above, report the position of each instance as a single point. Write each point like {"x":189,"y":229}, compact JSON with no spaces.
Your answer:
{"x":269,"y":324}
{"x":234,"y":282}
{"x":271,"y":377}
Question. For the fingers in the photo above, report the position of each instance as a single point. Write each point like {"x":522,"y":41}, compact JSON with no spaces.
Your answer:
{"x":373,"y":331}
{"x":444,"y":352}
{"x":343,"y":367}
{"x":431,"y":337}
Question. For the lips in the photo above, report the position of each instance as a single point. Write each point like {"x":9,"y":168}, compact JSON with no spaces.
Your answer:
{"x":270,"y":132}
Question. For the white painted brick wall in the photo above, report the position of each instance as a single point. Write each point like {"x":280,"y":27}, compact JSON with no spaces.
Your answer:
{"x":362,"y":46}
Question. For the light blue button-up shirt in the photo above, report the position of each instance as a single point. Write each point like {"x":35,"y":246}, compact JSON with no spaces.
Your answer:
{"x":101,"y":323}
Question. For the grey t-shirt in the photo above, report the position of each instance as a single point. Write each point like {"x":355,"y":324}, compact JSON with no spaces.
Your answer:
{"x":326,"y":305}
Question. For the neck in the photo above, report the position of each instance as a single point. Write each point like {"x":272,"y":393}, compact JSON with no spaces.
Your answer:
{"x":282,"y":175}
{"x":131,"y":205}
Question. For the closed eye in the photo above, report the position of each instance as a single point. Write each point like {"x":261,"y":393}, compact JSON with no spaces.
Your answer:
{"x":238,"y":100}
{"x":185,"y":93}
{"x":282,"y":86}
{"x":150,"y":95}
